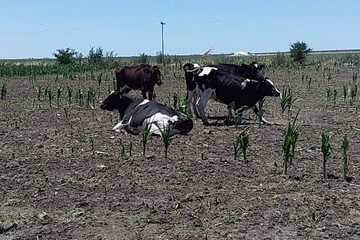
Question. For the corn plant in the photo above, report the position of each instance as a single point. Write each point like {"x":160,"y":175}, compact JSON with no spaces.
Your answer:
{"x":90,"y":97}
{"x":353,"y":94}
{"x":46,"y":91}
{"x":145,"y":137}
{"x":334,"y":96}
{"x":354,"y":78}
{"x":238,"y":115}
{"x":290,"y":138}
{"x":80,"y":97}
{"x":166,"y":137}
{"x":50,"y":95}
{"x":326,"y":150}
{"x":91,"y":140}
{"x":130,"y":148}
{"x":286,"y":100}
{"x":184,"y":107}
{"x":59,"y":91}
{"x":69,"y":91}
{"x":345,"y":91}
{"x":241,"y":143}
{"x":99,"y":79}
{"x":38,"y":92}
{"x":345,"y":148}
{"x":328,"y":94}
{"x":66,"y":112}
{"x":175,"y":98}
{"x":3,"y":91}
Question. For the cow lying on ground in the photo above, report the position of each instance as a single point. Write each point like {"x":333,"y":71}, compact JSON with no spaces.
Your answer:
{"x":143,"y":77}
{"x":136,"y":114}
{"x":236,"y":92}
{"x":192,"y":71}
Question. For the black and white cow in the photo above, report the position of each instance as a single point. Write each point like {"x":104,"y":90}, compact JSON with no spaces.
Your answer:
{"x":136,"y":114}
{"x":251,"y":71}
{"x":143,"y":77}
{"x":236,"y":92}
{"x":192,"y":71}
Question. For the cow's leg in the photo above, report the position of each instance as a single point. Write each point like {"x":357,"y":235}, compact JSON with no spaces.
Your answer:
{"x":143,"y":92}
{"x":151,"y":94}
{"x":196,"y":96}
{"x":201,"y":104}
{"x":256,"y":111}
{"x":120,"y":126}
{"x":191,"y":100}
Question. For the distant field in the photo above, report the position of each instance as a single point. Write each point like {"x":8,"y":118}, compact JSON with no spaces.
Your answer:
{"x":194,"y":57}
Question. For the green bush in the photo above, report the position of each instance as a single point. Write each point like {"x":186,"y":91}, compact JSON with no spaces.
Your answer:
{"x":96,"y":55}
{"x":299,"y":51}
{"x":65,"y":56}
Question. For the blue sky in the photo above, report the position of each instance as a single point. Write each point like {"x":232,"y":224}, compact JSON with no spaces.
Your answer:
{"x":36,"y":28}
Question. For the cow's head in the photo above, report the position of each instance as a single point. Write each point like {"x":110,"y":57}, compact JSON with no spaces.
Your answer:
{"x":267,"y":88}
{"x":191,"y":67}
{"x":155,"y":74}
{"x":253,"y":71}
{"x":111,"y":102}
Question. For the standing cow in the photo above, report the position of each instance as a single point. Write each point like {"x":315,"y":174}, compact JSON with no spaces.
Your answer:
{"x":193,"y":71}
{"x":143,"y":77}
{"x":136,"y":114}
{"x":236,"y":92}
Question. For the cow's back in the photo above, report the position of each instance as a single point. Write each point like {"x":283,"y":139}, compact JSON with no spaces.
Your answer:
{"x":131,"y":76}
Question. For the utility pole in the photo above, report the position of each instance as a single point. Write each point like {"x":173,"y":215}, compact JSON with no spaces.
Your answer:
{"x":162,"y":37}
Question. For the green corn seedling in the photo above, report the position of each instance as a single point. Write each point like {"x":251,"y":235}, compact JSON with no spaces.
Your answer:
{"x":90,"y":97}
{"x":175,"y":98}
{"x":69,"y":91}
{"x":80,"y":97}
{"x":334,"y":96}
{"x":290,"y":138}
{"x":328,"y":94}
{"x":241,"y":143}
{"x":38,"y":92}
{"x":3,"y":91}
{"x":286,"y":100}
{"x":354,"y":78}
{"x":130,"y":148}
{"x":99,"y":79}
{"x":345,"y":148}
{"x":145,"y":137}
{"x":345,"y":91}
{"x":326,"y":151}
{"x":66,"y":112}
{"x":59,"y":91}
{"x":166,"y":137}
{"x":50,"y":95}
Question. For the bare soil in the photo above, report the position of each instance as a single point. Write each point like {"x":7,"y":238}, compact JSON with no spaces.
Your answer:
{"x":67,"y":175}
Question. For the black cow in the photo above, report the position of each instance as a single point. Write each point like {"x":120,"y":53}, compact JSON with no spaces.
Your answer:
{"x":236,"y":92}
{"x":143,"y":77}
{"x":136,"y":114}
{"x":193,"y":71}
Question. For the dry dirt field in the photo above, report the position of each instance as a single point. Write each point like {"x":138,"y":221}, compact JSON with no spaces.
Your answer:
{"x":67,"y":175}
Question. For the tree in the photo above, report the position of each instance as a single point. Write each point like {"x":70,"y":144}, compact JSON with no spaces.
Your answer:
{"x":298,"y":51}
{"x":95,"y":55}
{"x":65,"y":56}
